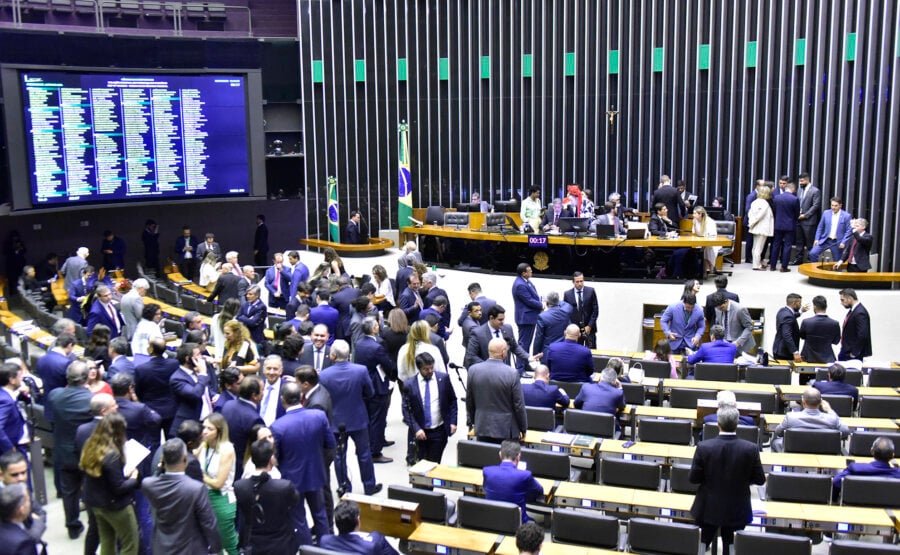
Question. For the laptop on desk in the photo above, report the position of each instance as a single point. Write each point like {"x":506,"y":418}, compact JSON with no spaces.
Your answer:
{"x":636,"y":230}
{"x":606,"y":231}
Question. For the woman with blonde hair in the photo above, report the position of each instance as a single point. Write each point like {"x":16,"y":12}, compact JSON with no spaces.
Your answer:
{"x":704,"y":226}
{"x":229,"y":310}
{"x":239,"y":349}
{"x":108,"y":492}
{"x":418,"y":342}
{"x":331,"y":266}
{"x":761,"y":223}
{"x":216,"y":457}
{"x":209,"y":270}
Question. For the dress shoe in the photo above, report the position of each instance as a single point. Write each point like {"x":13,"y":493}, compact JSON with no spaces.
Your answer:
{"x":389,"y":443}
{"x":785,"y":270}
{"x":381,"y":459}
{"x":76,"y":531}
{"x":771,"y":268}
{"x":376,"y":489}
{"x":796,"y":262}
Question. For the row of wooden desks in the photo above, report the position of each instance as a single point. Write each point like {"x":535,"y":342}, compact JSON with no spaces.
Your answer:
{"x":854,"y":423}
{"x":436,"y":538}
{"x":31,"y":334}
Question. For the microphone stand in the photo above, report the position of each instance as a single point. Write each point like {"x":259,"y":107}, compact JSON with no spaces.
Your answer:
{"x":412,"y":447}
{"x":340,"y":454}
{"x":461,"y":381}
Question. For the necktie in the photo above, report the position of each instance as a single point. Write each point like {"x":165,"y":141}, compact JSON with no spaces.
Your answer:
{"x":725,"y":322}
{"x":497,"y":334}
{"x":847,"y":318}
{"x":277,"y":281}
{"x":850,"y":259}
{"x":112,"y":315}
{"x":303,"y":399}
{"x":802,"y":193}
{"x":556,"y":218}
{"x":318,"y":360}
{"x":265,"y":404}
{"x":427,"y":403}
{"x":580,"y":301}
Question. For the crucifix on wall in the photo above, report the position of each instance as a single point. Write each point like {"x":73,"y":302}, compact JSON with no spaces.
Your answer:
{"x":611,"y":114}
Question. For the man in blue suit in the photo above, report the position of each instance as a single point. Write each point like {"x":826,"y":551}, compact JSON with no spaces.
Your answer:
{"x":410,"y":300}
{"x":683,"y":323}
{"x":302,"y":436}
{"x":552,"y":323}
{"x":12,"y":423}
{"x":342,"y":300}
{"x":241,"y":415}
{"x":15,"y":509}
{"x":297,"y":273}
{"x":119,"y":363}
{"x":278,"y":284}
{"x":540,"y":393}
{"x":151,"y":383}
{"x":787,"y":210}
{"x":716,"y":351}
{"x":429,"y":409}
{"x":506,"y":482}
{"x":567,"y":360}
{"x":52,"y":368}
{"x":78,"y":291}
{"x":382,"y":370}
{"x":350,"y":539}
{"x":604,"y":396}
{"x":324,"y":313}
{"x":833,"y":233}
{"x":836,"y":385}
{"x":106,"y":313}
{"x":253,"y":315}
{"x":350,"y":388}
{"x":527,"y":307}
{"x":787,"y":331}
{"x":189,"y":386}
{"x":819,"y":333}
{"x":883,"y":451}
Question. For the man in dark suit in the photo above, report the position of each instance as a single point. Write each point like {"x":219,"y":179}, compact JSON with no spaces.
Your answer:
{"x":736,"y":321}
{"x":230,"y":379}
{"x":189,"y":386}
{"x":270,"y":407}
{"x":787,"y":210}
{"x":567,"y":360}
{"x":584,"y":299}
{"x":668,"y":195}
{"x":302,"y":437}
{"x":475,"y":295}
{"x":527,"y":307}
{"x":495,"y":327}
{"x":209,"y":245}
{"x":494,"y":404}
{"x":106,"y":313}
{"x":819,"y":333}
{"x":604,"y":396}
{"x":432,"y":292}
{"x":253,"y":315}
{"x":260,"y":241}
{"x":856,"y":252}
{"x":342,"y":300}
{"x":787,"y":331}
{"x":540,"y":393}
{"x":51,"y":368}
{"x":709,"y":311}
{"x":184,"y":521}
{"x":278,"y":283}
{"x":119,"y":363}
{"x":15,"y":509}
{"x":382,"y":370}
{"x":324,"y":313}
{"x":265,"y":505}
{"x":835,"y":384}
{"x":317,"y":397}
{"x":72,"y":407}
{"x":78,"y":291}
{"x":151,"y":383}
{"x":552,"y":323}
{"x":12,"y":423}
{"x":350,"y":389}
{"x":725,"y":467}
{"x":353,"y":235}
{"x":470,"y":322}
{"x":349,"y":539}
{"x":241,"y":415}
{"x":410,"y":301}
{"x":883,"y":452}
{"x":186,"y":252}
{"x":550,"y":221}
{"x":810,"y":211}
{"x":429,"y":409}
{"x":297,"y":271}
{"x":856,"y":336}
{"x":318,"y":353}
{"x":227,"y":286}
{"x":506,"y":482}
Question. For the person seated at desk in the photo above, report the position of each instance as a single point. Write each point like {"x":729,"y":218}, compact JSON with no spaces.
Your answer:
{"x":568,"y":361}
{"x":550,"y":221}
{"x":660,"y":225}
{"x":506,"y":482}
{"x":816,"y":415}
{"x":529,"y":538}
{"x":716,"y":351}
{"x":836,"y":385}
{"x":726,"y":399}
{"x":483,"y":205}
{"x":608,"y":218}
{"x":883,"y":451}
{"x":662,"y":352}
{"x":349,"y":539}
{"x":616,"y":364}
{"x":604,"y":396}
{"x":856,"y":252}
{"x":541,"y":394}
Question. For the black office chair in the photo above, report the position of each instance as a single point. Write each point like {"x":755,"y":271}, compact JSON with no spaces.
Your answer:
{"x":870,"y":491}
{"x":546,"y":464}
{"x":850,"y":547}
{"x":572,"y":389}
{"x":820,"y":442}
{"x":646,"y":535}
{"x":597,"y":424}
{"x":749,"y":433}
{"x":634,"y":393}
{"x":769,"y":403}
{"x":716,"y":372}
{"x":860,"y":443}
{"x":798,"y":487}
{"x":205,"y":308}
{"x":275,"y":321}
{"x":630,"y":474}
{"x":167,"y":295}
{"x":433,"y":506}
{"x":477,"y":454}
{"x":582,"y":527}
{"x":456,"y":219}
{"x":540,"y":418}
{"x":776,"y":375}
{"x":600,"y":362}
{"x":661,"y":430}
{"x":680,"y":481}
{"x":685,"y":398}
{"x":852,"y":376}
{"x":726,"y":229}
{"x":654,"y":368}
{"x":189,"y":302}
{"x":883,"y":377}
{"x":489,"y":516}
{"x":174,"y":327}
{"x":841,"y":404}
{"x":753,"y":543}
{"x":433,"y":215}
{"x":879,"y":407}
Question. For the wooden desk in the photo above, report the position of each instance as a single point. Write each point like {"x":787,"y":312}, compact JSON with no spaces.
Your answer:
{"x":662,"y":453}
{"x":397,"y":519}
{"x":37,"y":336}
{"x":593,"y":496}
{"x":374,"y":247}
{"x":535,"y":439}
{"x":180,"y":281}
{"x":459,"y":478}
{"x":824,"y":518}
{"x":670,"y":383}
{"x":508,"y":547}
{"x":436,"y":538}
{"x":793,"y":392}
{"x":854,"y":423}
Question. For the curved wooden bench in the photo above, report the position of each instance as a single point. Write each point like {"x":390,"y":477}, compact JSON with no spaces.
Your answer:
{"x":827,"y":277}
{"x":375,"y":247}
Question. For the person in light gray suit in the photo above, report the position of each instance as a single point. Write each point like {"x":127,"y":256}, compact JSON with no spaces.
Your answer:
{"x":132,"y":305}
{"x":496,"y":327}
{"x":736,"y":321}
{"x":810,"y":211}
{"x":184,"y":520}
{"x":816,"y":415}
{"x":495,"y":405}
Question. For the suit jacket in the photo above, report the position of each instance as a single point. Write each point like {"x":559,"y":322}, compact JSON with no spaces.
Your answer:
{"x":188,"y":396}
{"x":205,"y":248}
{"x":72,"y":407}
{"x":586,"y":315}
{"x":407,"y":301}
{"x":261,"y":238}
{"x":468,"y":325}
{"x":494,"y":403}
{"x":709,"y":311}
{"x":276,"y":398}
{"x":353,"y":233}
{"x":569,"y":362}
{"x":838,"y":388}
{"x":738,"y":326}
{"x":226,"y":288}
{"x":843,"y":227}
{"x":669,"y":196}
{"x":402,"y":279}
{"x":371,"y":354}
{"x":52,"y":370}
{"x":76,"y":289}
{"x":550,"y":216}
{"x":527,"y":301}
{"x":299,"y":273}
{"x":12,"y":423}
{"x":99,"y":315}
{"x":142,"y":422}
{"x":307,"y":356}
{"x":328,"y":315}
{"x":811,"y":419}
{"x":414,"y":416}
{"x":551,"y":326}
{"x":71,"y":270}
{"x":477,"y":350}
{"x":180,"y":243}
{"x":542,"y":394}
{"x":787,"y":334}
{"x":243,"y":285}
{"x":241,"y":415}
{"x":16,"y":541}
{"x":184,"y":521}
{"x":130,"y":307}
{"x":505,"y":482}
{"x":718,"y":351}
{"x":434,"y":293}
{"x":341,"y":301}
{"x":151,"y":384}
{"x":600,"y":397}
{"x":874,"y":468}
{"x":277,"y":497}
{"x":672,"y":321}
{"x":787,"y":210}
{"x":278,"y":279}
{"x":863,"y":242}
{"x":725,"y":466}
{"x":320,"y":399}
{"x":659,"y":227}
{"x":350,"y":386}
{"x":810,"y":205}
{"x":856,"y":337}
{"x":365,"y":543}
{"x":253,"y":315}
{"x":223,"y":399}
{"x":819,"y":333}
{"x":301,"y":438}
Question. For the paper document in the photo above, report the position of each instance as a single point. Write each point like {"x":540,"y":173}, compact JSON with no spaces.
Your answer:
{"x":135,"y":452}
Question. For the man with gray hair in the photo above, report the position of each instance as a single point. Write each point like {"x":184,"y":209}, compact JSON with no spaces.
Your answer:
{"x":432,"y":294}
{"x":253,"y":315}
{"x":71,"y":268}
{"x":726,"y":399}
{"x":856,"y":252}
{"x":552,"y":322}
{"x":132,"y":305}
{"x":63,"y":325}
{"x":724,"y":467}
{"x":816,"y":415}
{"x":550,"y":221}
{"x":247,"y":279}
{"x":604,"y":396}
{"x":15,"y":509}
{"x":715,"y":351}
{"x":103,"y":311}
{"x":227,"y":286}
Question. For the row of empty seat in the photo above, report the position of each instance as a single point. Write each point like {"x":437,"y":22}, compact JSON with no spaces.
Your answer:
{"x":146,"y":8}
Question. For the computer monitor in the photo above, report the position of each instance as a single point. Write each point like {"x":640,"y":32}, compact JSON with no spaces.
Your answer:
{"x":715,"y":212}
{"x":574,"y":225}
{"x":606,"y":231}
{"x":468,"y":207}
{"x":506,"y":206}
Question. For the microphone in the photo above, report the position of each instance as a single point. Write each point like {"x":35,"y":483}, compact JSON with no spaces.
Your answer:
{"x":415,"y":221}
{"x":455,"y":366}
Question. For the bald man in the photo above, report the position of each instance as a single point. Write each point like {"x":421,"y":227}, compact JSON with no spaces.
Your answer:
{"x":816,"y":415}
{"x":495,"y":405}
{"x":568,"y":360}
